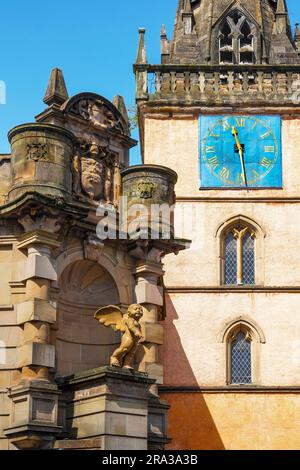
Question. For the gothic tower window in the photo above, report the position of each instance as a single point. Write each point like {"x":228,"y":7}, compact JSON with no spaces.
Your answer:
{"x":240,"y":357}
{"x":242,"y":341}
{"x":246,"y":46}
{"x":239,"y":257}
{"x":236,"y":40}
{"x":241,"y":252}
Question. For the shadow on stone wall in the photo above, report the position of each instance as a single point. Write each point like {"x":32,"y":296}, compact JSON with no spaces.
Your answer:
{"x":191,"y":425}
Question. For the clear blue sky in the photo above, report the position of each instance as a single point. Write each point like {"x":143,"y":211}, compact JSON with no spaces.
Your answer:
{"x":93,"y":41}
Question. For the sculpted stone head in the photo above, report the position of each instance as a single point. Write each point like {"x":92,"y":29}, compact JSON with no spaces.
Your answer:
{"x":92,"y":176}
{"x":135,"y":311}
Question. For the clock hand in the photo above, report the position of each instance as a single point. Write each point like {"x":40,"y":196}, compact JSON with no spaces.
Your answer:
{"x":241,"y":153}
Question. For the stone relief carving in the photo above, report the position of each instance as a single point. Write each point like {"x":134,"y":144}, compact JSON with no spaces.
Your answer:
{"x":129,"y":325}
{"x":37,"y":152}
{"x":93,"y":249}
{"x":146,"y":189}
{"x":144,"y":250}
{"x":37,"y":218}
{"x":96,"y":174}
{"x":98,"y":114}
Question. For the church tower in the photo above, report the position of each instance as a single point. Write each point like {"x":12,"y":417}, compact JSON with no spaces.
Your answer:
{"x":223,"y":110}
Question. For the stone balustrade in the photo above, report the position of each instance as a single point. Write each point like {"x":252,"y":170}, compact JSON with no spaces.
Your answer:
{"x":219,"y":84}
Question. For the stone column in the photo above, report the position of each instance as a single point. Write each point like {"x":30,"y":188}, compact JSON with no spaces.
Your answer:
{"x":149,"y":294}
{"x":34,"y":402}
{"x":36,"y":355}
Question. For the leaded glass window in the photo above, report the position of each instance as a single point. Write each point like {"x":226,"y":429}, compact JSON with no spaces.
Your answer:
{"x":230,"y":259}
{"x":248,"y":259}
{"x":239,"y":257}
{"x":241,"y":362}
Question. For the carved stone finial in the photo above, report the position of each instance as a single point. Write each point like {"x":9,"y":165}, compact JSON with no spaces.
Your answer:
{"x":129,"y":325}
{"x":56,"y":91}
{"x":142,"y":54}
{"x":297,"y":38}
{"x":120,"y":105}
{"x":163,"y":33}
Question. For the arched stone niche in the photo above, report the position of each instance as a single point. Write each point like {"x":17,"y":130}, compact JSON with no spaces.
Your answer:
{"x":82,"y":343}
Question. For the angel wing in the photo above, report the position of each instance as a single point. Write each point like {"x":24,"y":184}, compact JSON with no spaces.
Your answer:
{"x":111,"y":316}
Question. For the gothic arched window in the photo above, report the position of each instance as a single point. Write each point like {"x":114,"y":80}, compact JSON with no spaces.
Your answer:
{"x":239,"y":256}
{"x":236,"y":40}
{"x":240,"y":357}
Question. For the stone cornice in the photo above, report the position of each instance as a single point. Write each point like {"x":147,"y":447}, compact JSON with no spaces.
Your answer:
{"x":240,"y":199}
{"x":232,"y":290}
{"x":229,"y":389}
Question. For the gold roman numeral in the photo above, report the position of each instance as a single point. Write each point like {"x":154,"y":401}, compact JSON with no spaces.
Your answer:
{"x":240,"y":122}
{"x":269,"y":149}
{"x":226,"y":125}
{"x":225,"y":173}
{"x":256,"y":175}
{"x":266,"y":163}
{"x":210,"y":149}
{"x":214,"y":162}
{"x":216,"y":136}
{"x":264,"y":136}
{"x":240,"y":180}
{"x":254,"y":125}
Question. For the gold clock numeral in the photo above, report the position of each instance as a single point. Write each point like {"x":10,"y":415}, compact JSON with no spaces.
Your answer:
{"x":214,"y":162}
{"x":264,"y":136}
{"x":216,"y":136}
{"x":225,"y":173}
{"x":255,"y":174}
{"x":269,"y":149}
{"x":240,"y":122}
{"x":226,"y":125}
{"x":240,"y":180}
{"x":266,"y":163}
{"x":254,"y":125}
{"x":210,"y":149}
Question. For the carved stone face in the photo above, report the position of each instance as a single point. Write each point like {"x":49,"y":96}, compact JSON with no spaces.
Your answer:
{"x":92,"y":177}
{"x":136,"y":312}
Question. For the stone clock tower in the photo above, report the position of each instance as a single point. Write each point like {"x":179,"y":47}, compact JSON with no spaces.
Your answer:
{"x":223,"y":110}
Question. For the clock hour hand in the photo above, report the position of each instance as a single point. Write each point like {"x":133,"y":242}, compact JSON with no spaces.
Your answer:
{"x":241,"y":153}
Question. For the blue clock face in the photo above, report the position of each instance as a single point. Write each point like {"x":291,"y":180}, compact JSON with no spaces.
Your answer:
{"x":240,"y":152}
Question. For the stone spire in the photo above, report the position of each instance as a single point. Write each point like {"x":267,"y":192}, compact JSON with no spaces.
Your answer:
{"x":281,"y":18}
{"x":142,"y":54}
{"x":187,"y":17}
{"x":56,"y":91}
{"x":164,"y":46}
{"x":297,"y":38}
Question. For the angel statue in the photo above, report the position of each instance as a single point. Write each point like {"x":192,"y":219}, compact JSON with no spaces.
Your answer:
{"x":129,"y":324}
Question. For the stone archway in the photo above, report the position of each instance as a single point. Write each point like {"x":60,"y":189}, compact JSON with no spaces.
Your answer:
{"x":81,"y":343}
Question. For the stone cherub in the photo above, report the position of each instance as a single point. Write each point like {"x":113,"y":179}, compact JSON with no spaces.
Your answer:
{"x":129,"y":325}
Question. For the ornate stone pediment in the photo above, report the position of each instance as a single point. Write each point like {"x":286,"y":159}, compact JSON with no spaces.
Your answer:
{"x":97,"y":111}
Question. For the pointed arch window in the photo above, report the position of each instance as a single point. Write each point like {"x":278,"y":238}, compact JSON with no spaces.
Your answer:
{"x":240,"y":357}
{"x":236,"y":40}
{"x":239,"y":256}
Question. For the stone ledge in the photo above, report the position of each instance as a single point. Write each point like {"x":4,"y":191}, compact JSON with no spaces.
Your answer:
{"x":103,"y":373}
{"x":80,"y":444}
{"x":35,"y":310}
{"x":251,"y":389}
{"x":36,"y":354}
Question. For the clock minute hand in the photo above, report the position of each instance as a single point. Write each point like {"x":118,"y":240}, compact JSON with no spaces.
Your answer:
{"x":241,"y":153}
